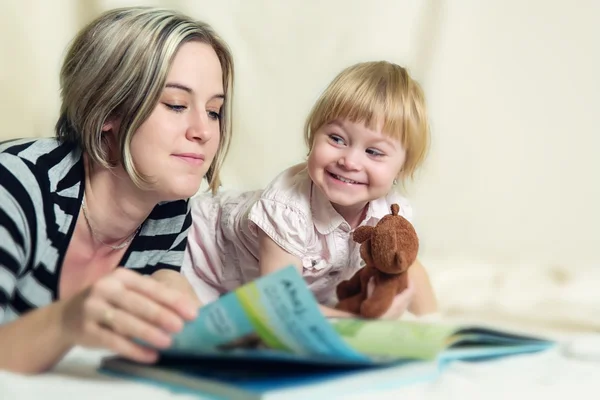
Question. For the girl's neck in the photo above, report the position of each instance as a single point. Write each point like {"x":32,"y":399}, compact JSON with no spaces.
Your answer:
{"x":354,"y":214}
{"x":115,"y":207}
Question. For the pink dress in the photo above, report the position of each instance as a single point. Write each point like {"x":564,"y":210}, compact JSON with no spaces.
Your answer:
{"x":222,"y":251}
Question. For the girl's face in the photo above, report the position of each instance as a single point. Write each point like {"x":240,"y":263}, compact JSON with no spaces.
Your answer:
{"x":352,"y":164}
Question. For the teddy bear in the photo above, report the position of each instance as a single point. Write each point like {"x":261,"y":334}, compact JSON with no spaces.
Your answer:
{"x":388,"y":249}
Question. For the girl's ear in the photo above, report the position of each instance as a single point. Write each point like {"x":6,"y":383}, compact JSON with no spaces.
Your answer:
{"x":401,"y":174}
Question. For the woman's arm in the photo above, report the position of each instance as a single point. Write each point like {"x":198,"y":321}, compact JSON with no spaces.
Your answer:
{"x":112,"y":312}
{"x":34,"y":342}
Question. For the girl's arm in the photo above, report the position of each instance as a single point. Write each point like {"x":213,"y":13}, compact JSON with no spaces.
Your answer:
{"x":273,"y":257}
{"x":424,"y":300}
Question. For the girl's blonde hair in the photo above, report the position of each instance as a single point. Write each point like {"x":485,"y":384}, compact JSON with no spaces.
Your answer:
{"x":374,"y":93}
{"x":117,"y":66}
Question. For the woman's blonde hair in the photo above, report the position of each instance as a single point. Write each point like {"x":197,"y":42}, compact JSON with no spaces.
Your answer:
{"x":373,"y":93}
{"x":117,"y":67}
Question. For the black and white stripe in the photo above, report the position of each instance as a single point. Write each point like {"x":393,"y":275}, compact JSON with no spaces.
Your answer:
{"x":41,"y":192}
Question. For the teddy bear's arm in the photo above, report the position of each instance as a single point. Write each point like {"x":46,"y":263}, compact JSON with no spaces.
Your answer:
{"x":351,"y":304}
{"x":349,"y":287}
{"x":354,"y":290}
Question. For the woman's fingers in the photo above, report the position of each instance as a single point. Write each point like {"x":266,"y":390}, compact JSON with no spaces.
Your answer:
{"x":129,"y":326}
{"x":98,"y":313}
{"x":125,"y":310}
{"x":109,"y":339}
{"x":154,"y":290}
{"x":147,"y":310}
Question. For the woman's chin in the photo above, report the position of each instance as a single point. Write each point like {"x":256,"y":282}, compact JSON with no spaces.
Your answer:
{"x":180,"y":189}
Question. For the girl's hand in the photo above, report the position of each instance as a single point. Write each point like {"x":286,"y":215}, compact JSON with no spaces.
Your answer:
{"x":125,"y":306}
{"x":400,"y":303}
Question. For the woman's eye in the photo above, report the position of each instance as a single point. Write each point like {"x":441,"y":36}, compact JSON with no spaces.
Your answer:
{"x":336,"y":139}
{"x":176,"y":108}
{"x":214,"y":115}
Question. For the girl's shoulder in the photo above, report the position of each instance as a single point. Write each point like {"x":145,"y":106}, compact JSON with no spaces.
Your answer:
{"x":291,"y":188}
{"x":383,"y":206}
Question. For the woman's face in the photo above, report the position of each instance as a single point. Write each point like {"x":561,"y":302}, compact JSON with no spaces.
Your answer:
{"x":176,"y":145}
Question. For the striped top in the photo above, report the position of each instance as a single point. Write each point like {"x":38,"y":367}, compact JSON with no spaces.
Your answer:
{"x":41,"y":191}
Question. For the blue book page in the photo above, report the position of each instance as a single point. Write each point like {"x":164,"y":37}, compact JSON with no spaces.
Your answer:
{"x":275,"y":317}
{"x":482,"y":352}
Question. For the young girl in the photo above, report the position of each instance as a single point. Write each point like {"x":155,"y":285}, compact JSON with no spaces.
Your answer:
{"x":367,"y":131}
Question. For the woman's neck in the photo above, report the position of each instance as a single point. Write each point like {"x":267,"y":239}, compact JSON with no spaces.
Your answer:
{"x":115,"y":207}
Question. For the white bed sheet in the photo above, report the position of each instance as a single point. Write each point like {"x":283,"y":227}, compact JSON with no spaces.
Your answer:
{"x":554,"y":374}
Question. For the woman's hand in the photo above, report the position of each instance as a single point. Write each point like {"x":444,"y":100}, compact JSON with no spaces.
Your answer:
{"x":177,"y":282}
{"x":125,"y":306}
{"x":400,"y":303}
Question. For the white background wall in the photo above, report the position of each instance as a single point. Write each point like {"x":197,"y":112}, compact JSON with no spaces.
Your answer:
{"x":513,"y":91}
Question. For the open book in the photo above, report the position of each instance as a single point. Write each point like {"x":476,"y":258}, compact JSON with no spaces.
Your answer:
{"x":269,"y":336}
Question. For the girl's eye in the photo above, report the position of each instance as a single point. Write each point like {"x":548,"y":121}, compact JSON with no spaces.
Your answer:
{"x":336,"y":139}
{"x":375,"y":153}
{"x":176,"y":108}
{"x":214,"y":115}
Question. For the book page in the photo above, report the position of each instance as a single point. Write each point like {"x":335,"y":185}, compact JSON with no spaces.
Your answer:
{"x":274,"y":316}
{"x":277,"y":317}
{"x":386,"y":339}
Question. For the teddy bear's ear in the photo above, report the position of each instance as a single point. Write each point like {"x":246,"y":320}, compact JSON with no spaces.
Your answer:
{"x":362,"y":234}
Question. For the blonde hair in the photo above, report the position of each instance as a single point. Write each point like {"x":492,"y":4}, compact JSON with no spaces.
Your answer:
{"x":117,"y":66}
{"x":374,"y":93}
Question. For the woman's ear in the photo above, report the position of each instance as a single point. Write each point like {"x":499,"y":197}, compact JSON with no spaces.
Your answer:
{"x":112,"y":123}
{"x":110,"y":129}
{"x":108,"y":125}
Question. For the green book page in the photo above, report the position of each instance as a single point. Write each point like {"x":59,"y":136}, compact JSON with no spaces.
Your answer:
{"x":398,"y":339}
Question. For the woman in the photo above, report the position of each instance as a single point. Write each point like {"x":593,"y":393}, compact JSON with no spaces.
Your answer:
{"x":145,"y":116}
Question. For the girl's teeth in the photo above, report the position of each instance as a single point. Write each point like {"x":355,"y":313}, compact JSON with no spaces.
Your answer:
{"x":344,"y":179}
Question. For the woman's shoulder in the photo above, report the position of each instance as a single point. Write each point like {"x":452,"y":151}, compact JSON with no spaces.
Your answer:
{"x":168,"y":217}
{"x":40,"y":156}
{"x":38,"y":149}
{"x":164,"y":231}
